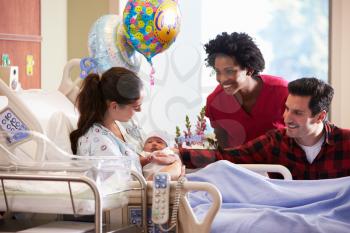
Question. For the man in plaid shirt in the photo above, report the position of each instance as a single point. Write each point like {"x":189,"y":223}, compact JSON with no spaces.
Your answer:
{"x":310,"y":147}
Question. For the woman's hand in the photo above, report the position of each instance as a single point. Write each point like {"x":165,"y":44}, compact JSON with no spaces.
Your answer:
{"x":183,"y":170}
{"x":164,"y":159}
{"x":176,"y":150}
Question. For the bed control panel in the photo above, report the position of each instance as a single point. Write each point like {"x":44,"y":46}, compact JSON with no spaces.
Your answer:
{"x":160,"y":203}
{"x":135,"y":217}
{"x":13,"y":127}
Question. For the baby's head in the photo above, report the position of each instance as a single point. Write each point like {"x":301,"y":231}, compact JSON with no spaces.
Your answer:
{"x":157,"y":140}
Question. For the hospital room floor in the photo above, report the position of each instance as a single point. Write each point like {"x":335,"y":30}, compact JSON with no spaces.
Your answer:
{"x":25,"y":226}
{"x":11,"y":225}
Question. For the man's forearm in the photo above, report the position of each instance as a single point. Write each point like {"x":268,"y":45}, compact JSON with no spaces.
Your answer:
{"x":197,"y":158}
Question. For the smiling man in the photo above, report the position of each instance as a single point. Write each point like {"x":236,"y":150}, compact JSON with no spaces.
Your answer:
{"x":310,"y":146}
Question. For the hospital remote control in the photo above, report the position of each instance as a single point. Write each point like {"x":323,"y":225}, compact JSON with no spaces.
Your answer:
{"x":160,"y":201}
{"x":13,"y":126}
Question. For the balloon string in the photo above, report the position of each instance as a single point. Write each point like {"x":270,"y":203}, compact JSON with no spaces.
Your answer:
{"x":152,"y":76}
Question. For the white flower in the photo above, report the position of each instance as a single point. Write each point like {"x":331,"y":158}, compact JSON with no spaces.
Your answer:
{"x":210,"y":136}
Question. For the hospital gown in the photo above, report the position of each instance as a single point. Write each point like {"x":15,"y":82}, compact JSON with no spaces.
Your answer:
{"x":133,"y":134}
{"x":99,"y":141}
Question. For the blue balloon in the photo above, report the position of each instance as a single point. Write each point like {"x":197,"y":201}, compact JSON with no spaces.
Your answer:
{"x":104,"y":49}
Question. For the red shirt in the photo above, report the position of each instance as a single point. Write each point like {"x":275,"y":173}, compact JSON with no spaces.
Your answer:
{"x":275,"y":147}
{"x":224,"y":111}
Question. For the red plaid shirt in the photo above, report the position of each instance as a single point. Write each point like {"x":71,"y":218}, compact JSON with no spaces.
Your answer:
{"x":275,"y":147}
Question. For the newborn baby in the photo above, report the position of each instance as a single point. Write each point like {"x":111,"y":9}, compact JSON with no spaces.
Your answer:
{"x":156,"y":146}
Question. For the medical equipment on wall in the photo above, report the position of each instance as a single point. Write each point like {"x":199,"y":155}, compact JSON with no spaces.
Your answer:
{"x":5,"y":60}
{"x":30,"y":65}
{"x":9,"y":74}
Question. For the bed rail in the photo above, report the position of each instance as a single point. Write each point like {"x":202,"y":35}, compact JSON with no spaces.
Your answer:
{"x":80,"y":179}
{"x":21,"y":111}
{"x":70,"y":86}
{"x":263,"y":168}
{"x":187,"y":219}
{"x":85,"y":180}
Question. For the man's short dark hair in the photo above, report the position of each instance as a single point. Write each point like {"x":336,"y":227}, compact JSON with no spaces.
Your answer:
{"x":239,"y":46}
{"x":321,"y":93}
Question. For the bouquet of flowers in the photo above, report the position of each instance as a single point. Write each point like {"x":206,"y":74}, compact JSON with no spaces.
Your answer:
{"x":199,"y":139}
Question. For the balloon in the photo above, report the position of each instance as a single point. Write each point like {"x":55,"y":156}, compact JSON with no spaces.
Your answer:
{"x":87,"y":65}
{"x":151,"y":26}
{"x":125,"y":49}
{"x":108,"y":49}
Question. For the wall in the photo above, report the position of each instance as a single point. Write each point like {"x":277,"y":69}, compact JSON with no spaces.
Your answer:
{"x":57,"y":49}
{"x":64,"y":27}
{"x":178,"y":89}
{"x":81,"y":15}
{"x":340,"y":62}
{"x":54,"y":42}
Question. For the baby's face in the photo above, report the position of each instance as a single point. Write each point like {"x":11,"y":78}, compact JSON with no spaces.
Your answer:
{"x":153,"y":144}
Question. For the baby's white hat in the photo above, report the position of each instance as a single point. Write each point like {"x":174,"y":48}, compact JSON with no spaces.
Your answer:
{"x":162,"y":135}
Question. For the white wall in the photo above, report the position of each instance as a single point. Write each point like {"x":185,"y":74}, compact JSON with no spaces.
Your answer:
{"x":54,"y":43}
{"x":340,"y":62}
{"x":178,"y":87}
{"x":80,"y":20}
{"x":54,"y":56}
{"x":182,"y":81}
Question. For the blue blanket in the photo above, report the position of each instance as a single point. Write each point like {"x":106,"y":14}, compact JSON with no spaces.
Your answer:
{"x":253,"y":203}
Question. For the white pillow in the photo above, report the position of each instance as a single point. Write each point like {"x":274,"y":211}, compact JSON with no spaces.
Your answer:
{"x":44,"y":103}
{"x":56,"y":114}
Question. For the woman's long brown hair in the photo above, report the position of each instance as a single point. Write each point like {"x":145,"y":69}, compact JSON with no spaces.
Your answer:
{"x":116,"y":84}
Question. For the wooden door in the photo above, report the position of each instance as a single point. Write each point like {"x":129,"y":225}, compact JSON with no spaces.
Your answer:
{"x":20,"y":36}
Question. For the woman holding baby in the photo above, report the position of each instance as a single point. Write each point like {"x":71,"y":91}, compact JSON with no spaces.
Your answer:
{"x":102,"y":103}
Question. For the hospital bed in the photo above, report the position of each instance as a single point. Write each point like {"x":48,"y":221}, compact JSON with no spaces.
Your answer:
{"x":28,"y":170}
{"x":34,"y":153}
{"x":38,"y":173}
